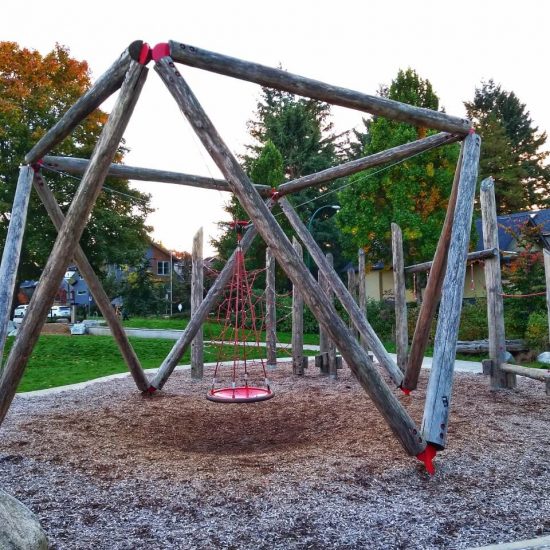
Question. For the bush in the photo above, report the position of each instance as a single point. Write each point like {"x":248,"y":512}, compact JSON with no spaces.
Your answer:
{"x":536,"y":334}
{"x":473,"y":321}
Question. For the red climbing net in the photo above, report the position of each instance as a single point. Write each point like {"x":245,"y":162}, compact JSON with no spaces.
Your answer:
{"x":240,"y":314}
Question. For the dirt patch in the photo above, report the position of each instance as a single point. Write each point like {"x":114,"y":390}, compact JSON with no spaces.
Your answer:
{"x":56,"y":328}
{"x":315,"y":467}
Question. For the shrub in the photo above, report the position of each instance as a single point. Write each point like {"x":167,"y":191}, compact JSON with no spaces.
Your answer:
{"x":536,"y":334}
{"x":473,"y":321}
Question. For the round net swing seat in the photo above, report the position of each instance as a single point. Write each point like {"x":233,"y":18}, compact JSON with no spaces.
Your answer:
{"x":239,"y":394}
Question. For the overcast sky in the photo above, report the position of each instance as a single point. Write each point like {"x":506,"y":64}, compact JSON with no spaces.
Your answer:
{"x":358,"y":44}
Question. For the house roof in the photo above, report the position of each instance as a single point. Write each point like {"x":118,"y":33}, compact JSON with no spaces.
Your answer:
{"x":508,"y":224}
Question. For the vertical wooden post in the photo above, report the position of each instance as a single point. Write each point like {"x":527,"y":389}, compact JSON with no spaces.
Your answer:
{"x":12,"y":249}
{"x":271,"y":309}
{"x":432,"y":291}
{"x":327,"y":350}
{"x":352,"y":289}
{"x":331,"y":347}
{"x":69,"y":235}
{"x":546,"y":255}
{"x":438,"y":398}
{"x":197,"y":295}
{"x":96,"y":289}
{"x":399,"y":290}
{"x":297,"y":321}
{"x":493,"y":284}
{"x":362,"y":292}
{"x":394,"y":413}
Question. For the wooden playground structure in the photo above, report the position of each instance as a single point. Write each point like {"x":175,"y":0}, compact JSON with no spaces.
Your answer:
{"x":129,"y":73}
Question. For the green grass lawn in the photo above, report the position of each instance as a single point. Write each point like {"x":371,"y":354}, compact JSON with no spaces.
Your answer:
{"x":61,"y":360}
{"x":212,"y":330}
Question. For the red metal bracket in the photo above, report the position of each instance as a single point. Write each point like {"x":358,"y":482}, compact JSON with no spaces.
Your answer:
{"x":161,"y":50}
{"x":275,"y":194}
{"x":150,"y":390}
{"x":427,"y":456}
{"x":36,"y":166}
{"x":405,"y":390}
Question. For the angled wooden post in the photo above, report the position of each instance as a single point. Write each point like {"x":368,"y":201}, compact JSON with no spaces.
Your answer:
{"x":493,"y":284}
{"x":197,"y":292}
{"x":271,"y":310}
{"x":438,"y":398}
{"x":396,"y":416}
{"x":69,"y":235}
{"x":95,"y":286}
{"x":12,"y":249}
{"x":400,"y":298}
{"x":432,"y":292}
{"x":297,"y":322}
{"x":107,"y":84}
{"x":362,"y":292}
{"x":342,"y":293}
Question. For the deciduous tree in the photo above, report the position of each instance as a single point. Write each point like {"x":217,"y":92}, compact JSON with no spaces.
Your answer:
{"x":35,"y":90}
{"x":413,"y":194}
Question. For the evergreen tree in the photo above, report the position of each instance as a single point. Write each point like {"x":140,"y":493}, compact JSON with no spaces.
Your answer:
{"x":511,"y":149}
{"x":413,"y":194}
{"x":35,"y":91}
{"x":292,"y":138}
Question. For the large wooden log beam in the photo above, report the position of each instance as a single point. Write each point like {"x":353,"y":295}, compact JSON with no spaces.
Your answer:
{"x":106,"y":85}
{"x":77,"y":166}
{"x":396,"y":416}
{"x":96,"y":288}
{"x":484,"y":254}
{"x":433,"y":290}
{"x":12,"y":249}
{"x":356,"y":316}
{"x":438,"y":398}
{"x":394,"y":154}
{"x":69,"y":235}
{"x":283,"y":80}
{"x":535,"y":374}
{"x":493,"y":284}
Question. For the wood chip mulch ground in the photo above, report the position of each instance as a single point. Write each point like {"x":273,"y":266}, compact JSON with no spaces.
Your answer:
{"x":315,"y":467}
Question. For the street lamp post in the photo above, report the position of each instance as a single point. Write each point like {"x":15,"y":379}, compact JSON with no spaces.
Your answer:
{"x":310,"y":224}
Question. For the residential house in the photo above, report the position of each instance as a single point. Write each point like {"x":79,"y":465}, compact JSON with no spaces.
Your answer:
{"x":379,"y":279}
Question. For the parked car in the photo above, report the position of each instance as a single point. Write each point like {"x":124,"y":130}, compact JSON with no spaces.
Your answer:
{"x":60,"y":312}
{"x":20,"y":311}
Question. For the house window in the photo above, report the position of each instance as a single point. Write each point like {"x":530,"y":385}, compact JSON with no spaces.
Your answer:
{"x":163,"y":268}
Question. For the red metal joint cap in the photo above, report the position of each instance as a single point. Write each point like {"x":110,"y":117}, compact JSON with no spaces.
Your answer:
{"x":140,"y":52}
{"x":36,"y":166}
{"x":151,"y":390}
{"x":161,"y":50}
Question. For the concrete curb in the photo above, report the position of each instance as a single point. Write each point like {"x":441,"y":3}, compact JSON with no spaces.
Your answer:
{"x":542,"y":543}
